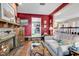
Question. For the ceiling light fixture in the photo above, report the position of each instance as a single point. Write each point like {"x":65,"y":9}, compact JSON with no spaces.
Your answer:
{"x":42,"y":3}
{"x":18,"y":4}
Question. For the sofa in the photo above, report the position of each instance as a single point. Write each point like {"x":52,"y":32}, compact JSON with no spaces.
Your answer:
{"x":57,"y":47}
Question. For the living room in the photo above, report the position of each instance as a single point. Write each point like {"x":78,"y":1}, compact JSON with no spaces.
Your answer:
{"x":39,"y":29}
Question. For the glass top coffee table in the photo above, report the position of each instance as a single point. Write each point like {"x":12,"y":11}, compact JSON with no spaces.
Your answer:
{"x":37,"y":49}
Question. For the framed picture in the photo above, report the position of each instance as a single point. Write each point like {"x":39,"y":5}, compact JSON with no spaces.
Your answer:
{"x":23,"y":22}
{"x":7,"y":12}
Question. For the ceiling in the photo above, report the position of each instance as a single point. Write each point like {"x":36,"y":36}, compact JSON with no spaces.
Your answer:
{"x":36,"y":8}
{"x":68,"y":12}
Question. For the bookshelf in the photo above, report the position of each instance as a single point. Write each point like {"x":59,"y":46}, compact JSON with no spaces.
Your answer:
{"x":70,"y":26}
{"x":7,"y":23}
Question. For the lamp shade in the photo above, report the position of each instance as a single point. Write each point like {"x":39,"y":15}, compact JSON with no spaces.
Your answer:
{"x":45,"y":22}
{"x":51,"y":28}
{"x":45,"y":33}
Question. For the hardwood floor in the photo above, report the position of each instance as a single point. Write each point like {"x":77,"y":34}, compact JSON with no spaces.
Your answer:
{"x":21,"y":51}
{"x":25,"y":50}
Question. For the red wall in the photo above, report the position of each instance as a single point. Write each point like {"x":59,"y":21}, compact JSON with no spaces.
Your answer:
{"x":29,"y":17}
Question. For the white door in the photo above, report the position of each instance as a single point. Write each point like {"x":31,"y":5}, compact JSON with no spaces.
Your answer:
{"x":36,"y":27}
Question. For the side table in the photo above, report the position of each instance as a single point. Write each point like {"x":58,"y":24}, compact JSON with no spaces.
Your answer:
{"x":74,"y":52}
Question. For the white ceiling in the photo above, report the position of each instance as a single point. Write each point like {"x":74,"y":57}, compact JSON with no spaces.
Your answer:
{"x":36,"y":8}
{"x":68,"y":12}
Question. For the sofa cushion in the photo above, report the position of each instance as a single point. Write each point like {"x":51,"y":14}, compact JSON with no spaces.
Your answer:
{"x":63,"y":50}
{"x":53,"y":45}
